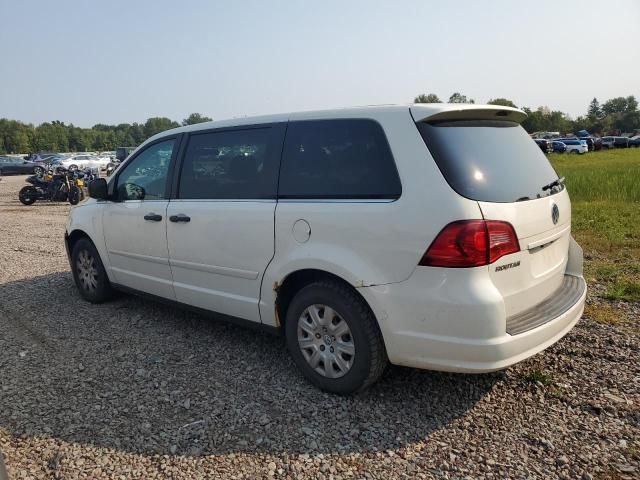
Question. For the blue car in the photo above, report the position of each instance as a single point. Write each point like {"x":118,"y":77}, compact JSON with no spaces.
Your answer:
{"x":558,"y":147}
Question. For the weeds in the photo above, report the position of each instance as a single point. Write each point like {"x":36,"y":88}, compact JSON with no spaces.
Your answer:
{"x":538,"y":376}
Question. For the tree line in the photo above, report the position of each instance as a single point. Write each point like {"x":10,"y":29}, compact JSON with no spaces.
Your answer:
{"x":615,"y":116}
{"x":56,"y":136}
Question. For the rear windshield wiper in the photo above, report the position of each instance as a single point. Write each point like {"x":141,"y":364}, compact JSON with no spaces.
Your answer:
{"x":556,"y":183}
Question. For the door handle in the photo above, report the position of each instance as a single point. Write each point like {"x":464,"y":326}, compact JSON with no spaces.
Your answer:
{"x":154,"y":217}
{"x":180,"y":218}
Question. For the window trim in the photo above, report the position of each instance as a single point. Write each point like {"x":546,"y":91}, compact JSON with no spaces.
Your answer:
{"x":316,"y":197}
{"x":277,"y":130}
{"x":178,"y":139}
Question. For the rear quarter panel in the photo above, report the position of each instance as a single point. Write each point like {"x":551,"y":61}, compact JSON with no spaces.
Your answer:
{"x":368,"y":242}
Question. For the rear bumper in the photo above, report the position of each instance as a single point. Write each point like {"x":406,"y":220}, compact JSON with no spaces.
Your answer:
{"x":467,"y":333}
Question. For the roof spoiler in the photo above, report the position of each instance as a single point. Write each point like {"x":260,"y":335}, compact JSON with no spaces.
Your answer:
{"x":442,"y":112}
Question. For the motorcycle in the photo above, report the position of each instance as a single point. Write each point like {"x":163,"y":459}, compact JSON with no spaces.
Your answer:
{"x":111,"y":167}
{"x":55,"y":186}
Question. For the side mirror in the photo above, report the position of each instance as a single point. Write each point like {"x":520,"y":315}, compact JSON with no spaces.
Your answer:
{"x":98,"y":189}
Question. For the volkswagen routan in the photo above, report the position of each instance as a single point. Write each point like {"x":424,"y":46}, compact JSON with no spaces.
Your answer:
{"x":433,"y":236}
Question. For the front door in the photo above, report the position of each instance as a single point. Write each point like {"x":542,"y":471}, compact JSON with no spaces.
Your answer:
{"x":221,"y":224}
{"x":135,"y":222}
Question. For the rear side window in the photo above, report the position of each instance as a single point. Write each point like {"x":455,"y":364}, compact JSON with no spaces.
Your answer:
{"x":343,"y":159}
{"x":489,"y":161}
{"x":231,"y":164}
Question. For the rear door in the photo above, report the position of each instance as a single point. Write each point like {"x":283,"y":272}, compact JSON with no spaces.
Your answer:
{"x":221,"y":222}
{"x":495,"y":162}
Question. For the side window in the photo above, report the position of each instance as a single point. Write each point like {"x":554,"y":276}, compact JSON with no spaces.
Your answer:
{"x":231,"y":164}
{"x":338,"y":159}
{"x":145,"y":177}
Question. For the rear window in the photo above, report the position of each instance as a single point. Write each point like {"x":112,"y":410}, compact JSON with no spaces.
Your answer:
{"x":346,"y":159}
{"x":489,"y":161}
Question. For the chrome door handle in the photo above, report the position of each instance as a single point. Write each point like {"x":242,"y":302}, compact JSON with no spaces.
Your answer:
{"x":180,"y":218}
{"x":154,"y":217}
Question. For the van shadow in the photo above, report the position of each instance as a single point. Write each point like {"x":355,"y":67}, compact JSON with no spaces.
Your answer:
{"x":141,"y":377}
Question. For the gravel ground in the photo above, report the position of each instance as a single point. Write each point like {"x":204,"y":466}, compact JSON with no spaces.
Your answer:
{"x":132,"y":389}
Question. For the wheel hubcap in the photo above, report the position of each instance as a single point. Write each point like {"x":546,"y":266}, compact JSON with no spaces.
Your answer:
{"x":325,"y":341}
{"x":87,"y":271}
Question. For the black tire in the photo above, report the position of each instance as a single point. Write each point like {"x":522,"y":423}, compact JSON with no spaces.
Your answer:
{"x":27,"y":195}
{"x":74,"y":195}
{"x":38,"y":170}
{"x":370,"y":358}
{"x":73,"y":168}
{"x":94,"y":286}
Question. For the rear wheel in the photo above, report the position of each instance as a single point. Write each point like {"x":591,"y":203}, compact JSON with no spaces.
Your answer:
{"x":74,"y":195}
{"x":334,"y":338}
{"x":73,"y":168}
{"x":89,"y":273}
{"x":38,"y":170}
{"x":27,"y":195}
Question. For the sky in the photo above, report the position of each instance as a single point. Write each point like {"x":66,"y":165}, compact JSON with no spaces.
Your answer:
{"x":122,"y":61}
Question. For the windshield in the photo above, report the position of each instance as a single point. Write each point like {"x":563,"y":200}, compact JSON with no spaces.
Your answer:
{"x":489,"y":161}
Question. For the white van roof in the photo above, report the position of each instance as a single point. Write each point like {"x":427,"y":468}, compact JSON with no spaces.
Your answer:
{"x":420,"y":112}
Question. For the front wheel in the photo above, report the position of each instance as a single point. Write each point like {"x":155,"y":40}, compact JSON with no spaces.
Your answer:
{"x":89,"y":273}
{"x":27,"y":195}
{"x":334,"y":338}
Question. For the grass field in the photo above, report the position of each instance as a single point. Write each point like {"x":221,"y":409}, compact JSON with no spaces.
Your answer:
{"x":605,"y":196}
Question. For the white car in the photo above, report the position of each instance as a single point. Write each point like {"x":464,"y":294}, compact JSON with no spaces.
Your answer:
{"x":106,"y":155}
{"x":431,"y":236}
{"x":84,"y":161}
{"x":575,"y":145}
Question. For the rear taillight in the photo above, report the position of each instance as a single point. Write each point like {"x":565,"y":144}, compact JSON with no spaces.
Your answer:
{"x":471,"y":243}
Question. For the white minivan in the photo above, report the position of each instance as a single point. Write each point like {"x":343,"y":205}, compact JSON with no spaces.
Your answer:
{"x":434,"y":236}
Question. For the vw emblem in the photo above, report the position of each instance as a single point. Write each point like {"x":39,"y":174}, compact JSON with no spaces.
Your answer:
{"x":555,"y":213}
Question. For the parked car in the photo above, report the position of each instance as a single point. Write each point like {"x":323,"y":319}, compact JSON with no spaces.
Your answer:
{"x":621,"y":142}
{"x":575,"y":145}
{"x":607,"y":142}
{"x":545,"y":145}
{"x":81,"y":162}
{"x":107,"y":156}
{"x":615,"y":142}
{"x":634,"y":141}
{"x":16,"y":166}
{"x":361,"y":236}
{"x":558,"y":147}
{"x":39,"y":157}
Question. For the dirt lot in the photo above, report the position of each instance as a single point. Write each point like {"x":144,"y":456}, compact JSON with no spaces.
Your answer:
{"x":132,"y":389}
